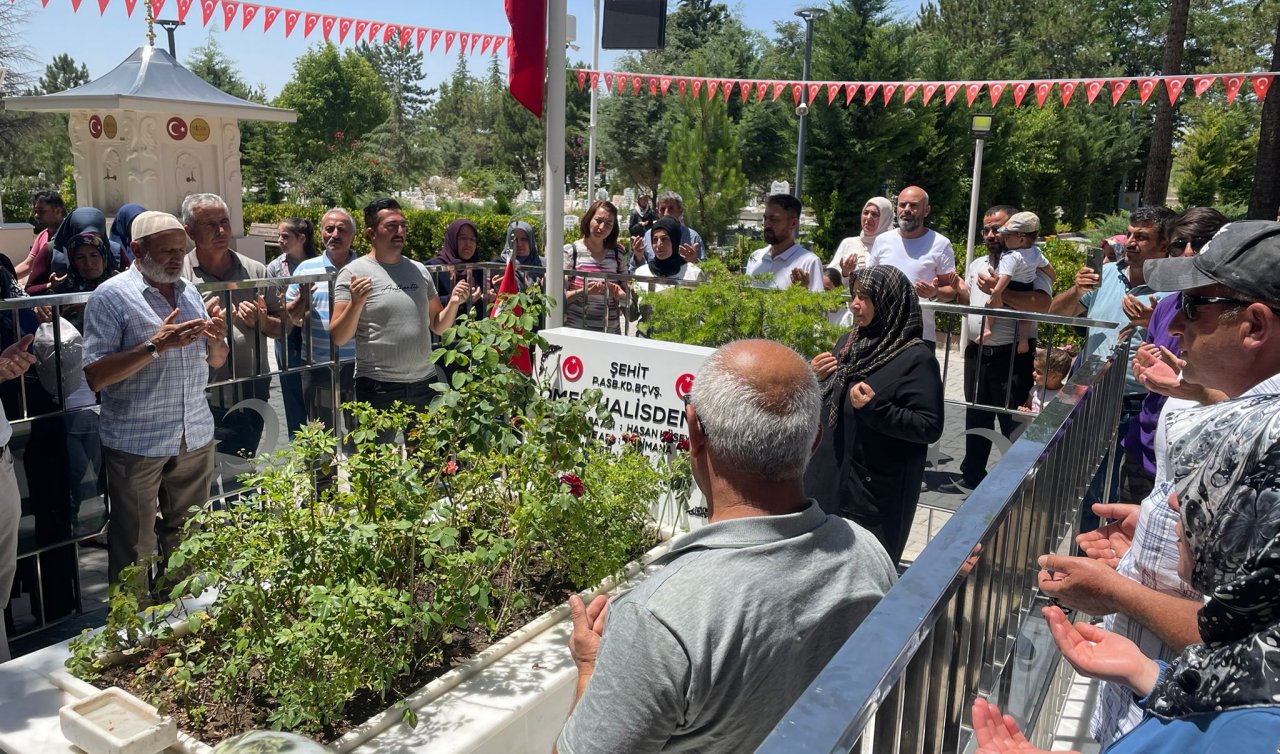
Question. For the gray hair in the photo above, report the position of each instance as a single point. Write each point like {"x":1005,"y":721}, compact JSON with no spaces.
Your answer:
{"x":351,"y":221}
{"x":749,"y":431}
{"x":194,"y":202}
{"x":671,"y":196}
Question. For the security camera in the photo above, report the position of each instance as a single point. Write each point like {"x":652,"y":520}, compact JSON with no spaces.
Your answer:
{"x":802,"y":109}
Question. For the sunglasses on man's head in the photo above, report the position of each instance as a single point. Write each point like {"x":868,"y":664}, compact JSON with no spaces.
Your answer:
{"x":1191,"y":303}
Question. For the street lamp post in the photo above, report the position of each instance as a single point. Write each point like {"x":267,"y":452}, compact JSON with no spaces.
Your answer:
{"x":980,"y":128}
{"x":809,"y":15}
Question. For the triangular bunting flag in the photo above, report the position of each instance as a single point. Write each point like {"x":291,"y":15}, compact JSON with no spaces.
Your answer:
{"x":948,"y":92}
{"x":1042,"y":92}
{"x":497,"y":43}
{"x":420,"y":35}
{"x":228,"y":14}
{"x":832,"y":91}
{"x":762,"y":88}
{"x":1117,"y":90}
{"x":1203,"y":83}
{"x":309,"y":23}
{"x":849,"y":91}
{"x":909,"y":91}
{"x":361,"y":28}
{"x":608,"y":82}
{"x":269,"y":17}
{"x":102,"y":7}
{"x":374,"y":28}
{"x":697,"y":88}
{"x":582,"y":79}
{"x":971,"y":91}
{"x":726,"y":88}
{"x":1232,"y":84}
{"x":995,"y":89}
{"x":390,"y":33}
{"x":485,"y":41}
{"x":475,"y":40}
{"x":888,"y":90}
{"x":1145,"y":88}
{"x":509,"y":287}
{"x":713,"y":86}
{"x":929,"y":90}
{"x":653,"y":85}
{"x":744,"y":90}
{"x":664,"y":84}
{"x":406,"y":35}
{"x":868,"y":92}
{"x":449,"y":36}
{"x":797,"y":90}
{"x":1261,"y":84}
{"x":1020,"y":89}
{"x":326,"y":26}
{"x":813,"y":92}
{"x":290,"y":20}
{"x":778,"y":86}
{"x":1068,"y":88}
{"x":435,"y":37}
{"x":128,"y":7}
{"x":344,"y":26}
{"x":183,"y":7}
{"x":75,"y":5}
{"x":248,"y":12}
{"x":1091,"y":90}
{"x":682,"y":85}
{"x":595,"y":79}
{"x":623,"y":80}
{"x":463,"y":39}
{"x":207,"y":7}
{"x":635,"y":85}
{"x":1174,"y":87}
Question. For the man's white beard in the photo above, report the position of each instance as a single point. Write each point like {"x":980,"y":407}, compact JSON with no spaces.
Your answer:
{"x":156,"y":273}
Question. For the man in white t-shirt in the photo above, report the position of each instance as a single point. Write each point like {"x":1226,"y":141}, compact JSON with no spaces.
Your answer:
{"x":787,"y":261}
{"x":924,"y":255}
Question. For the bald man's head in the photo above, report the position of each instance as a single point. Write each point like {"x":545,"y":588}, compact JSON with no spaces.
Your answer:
{"x":758,"y":402}
{"x":912,"y":209}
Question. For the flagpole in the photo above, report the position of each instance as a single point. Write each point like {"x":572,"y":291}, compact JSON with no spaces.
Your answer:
{"x":595,"y":94}
{"x":553,"y":156}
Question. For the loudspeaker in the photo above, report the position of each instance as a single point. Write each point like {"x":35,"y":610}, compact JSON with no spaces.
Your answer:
{"x":634,"y":25}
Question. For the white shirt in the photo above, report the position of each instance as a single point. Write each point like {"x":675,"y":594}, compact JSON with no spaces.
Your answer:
{"x":850,"y":247}
{"x":689,"y":272}
{"x":763,"y":262}
{"x":922,"y":259}
{"x":1003,"y":329}
{"x":1021,"y":265}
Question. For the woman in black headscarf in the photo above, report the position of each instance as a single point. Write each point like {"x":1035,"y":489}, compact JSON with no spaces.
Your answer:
{"x":122,"y":231}
{"x":81,"y":221}
{"x":667,"y":263}
{"x":882,"y":406}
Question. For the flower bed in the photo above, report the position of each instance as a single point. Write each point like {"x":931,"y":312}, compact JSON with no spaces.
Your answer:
{"x":337,"y":599}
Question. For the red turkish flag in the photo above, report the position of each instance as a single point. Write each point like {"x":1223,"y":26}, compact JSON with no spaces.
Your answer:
{"x":635,"y":85}
{"x":948,"y":92}
{"x":326,"y":26}
{"x":778,"y":86}
{"x":868,"y":91}
{"x":1068,"y":88}
{"x":269,"y":17}
{"x":1232,"y":84}
{"x":682,"y":85}
{"x":183,"y":7}
{"x":389,"y":33}
{"x":1261,"y":83}
{"x":290,"y":20}
{"x":102,"y":7}
{"x":796,"y":91}
{"x":849,"y":91}
{"x":1174,"y":87}
{"x":622,"y":83}
{"x":762,"y":87}
{"x":374,"y":28}
{"x":435,"y":37}
{"x":507,"y":288}
{"x":1042,"y":92}
{"x":664,"y":84}
{"x":726,"y":88}
{"x":128,"y":6}
{"x":463,"y":39}
{"x":449,"y":36}
{"x":744,"y":90}
{"x":406,"y":35}
{"x":582,"y":79}
{"x":497,"y":43}
{"x":229,"y":14}
{"x":207,"y":7}
{"x":1145,"y":88}
{"x":713,"y":86}
{"x":361,"y":28}
{"x":595,"y":79}
{"x":832,"y":90}
{"x":888,"y":91}
{"x":485,"y":41}
{"x":1091,"y":90}
{"x":929,"y":90}
{"x":908,"y":91}
{"x":75,"y":4}
{"x":248,"y":12}
{"x":697,"y":88}
{"x":475,"y":40}
{"x":972,"y":91}
{"x":608,"y":81}
{"x":1203,"y":83}
{"x":813,"y":92}
{"x":653,"y":85}
{"x":1117,"y":90}
{"x":995,"y":89}
{"x":309,"y":23}
{"x":421,"y":35}
{"x":1020,"y":89}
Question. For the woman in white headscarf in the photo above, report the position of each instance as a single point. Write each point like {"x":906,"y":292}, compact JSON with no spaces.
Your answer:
{"x":851,"y":254}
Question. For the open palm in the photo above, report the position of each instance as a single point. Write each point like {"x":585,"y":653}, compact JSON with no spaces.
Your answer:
{"x":999,"y":734}
{"x":1101,"y":654}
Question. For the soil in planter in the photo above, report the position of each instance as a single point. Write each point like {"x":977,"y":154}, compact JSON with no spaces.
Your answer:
{"x":210,"y":720}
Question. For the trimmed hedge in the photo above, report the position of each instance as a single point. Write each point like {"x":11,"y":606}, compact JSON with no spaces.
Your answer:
{"x":426,"y":228}
{"x":17,"y":191}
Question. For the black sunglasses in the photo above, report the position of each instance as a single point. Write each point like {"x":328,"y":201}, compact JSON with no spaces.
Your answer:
{"x":1196,"y":242}
{"x":1190,"y":304}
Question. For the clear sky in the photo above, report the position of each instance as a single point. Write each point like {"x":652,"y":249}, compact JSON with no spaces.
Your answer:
{"x":102,"y":41}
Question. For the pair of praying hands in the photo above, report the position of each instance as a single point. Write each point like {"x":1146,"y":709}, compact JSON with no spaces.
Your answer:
{"x":824,"y":365}
{"x":175,"y":334}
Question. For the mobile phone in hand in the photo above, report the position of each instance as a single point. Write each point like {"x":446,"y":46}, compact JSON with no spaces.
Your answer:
{"x":1094,"y":261}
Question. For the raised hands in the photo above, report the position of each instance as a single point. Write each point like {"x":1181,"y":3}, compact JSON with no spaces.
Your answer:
{"x":16,"y":359}
{"x":824,"y":364}
{"x":1087,"y":279}
{"x":999,"y":734}
{"x":1101,"y":654}
{"x":1107,"y":544}
{"x":861,"y":394}
{"x":175,"y":334}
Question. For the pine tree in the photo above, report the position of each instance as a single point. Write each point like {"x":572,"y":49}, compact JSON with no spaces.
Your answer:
{"x":703,"y":166}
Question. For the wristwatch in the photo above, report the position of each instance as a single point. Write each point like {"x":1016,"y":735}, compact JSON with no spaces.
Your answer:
{"x":152,"y":349}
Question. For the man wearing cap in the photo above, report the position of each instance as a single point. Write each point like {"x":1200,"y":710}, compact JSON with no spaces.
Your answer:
{"x":1229,"y":326}
{"x":149,"y":343}
{"x":256,"y":317}
{"x":995,"y":372}
{"x":1103,"y":297}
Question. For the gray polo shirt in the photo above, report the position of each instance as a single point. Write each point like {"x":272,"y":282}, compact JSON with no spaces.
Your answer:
{"x":393,"y":334}
{"x":709,"y":652}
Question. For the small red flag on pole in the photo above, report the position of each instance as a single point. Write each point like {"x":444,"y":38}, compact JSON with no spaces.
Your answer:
{"x":520,"y":359}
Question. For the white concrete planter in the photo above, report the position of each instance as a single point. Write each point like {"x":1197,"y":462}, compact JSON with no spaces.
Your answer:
{"x":512,"y":697}
{"x":113,"y":721}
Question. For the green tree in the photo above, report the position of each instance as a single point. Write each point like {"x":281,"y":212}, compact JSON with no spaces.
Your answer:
{"x":211,"y":63}
{"x":400,"y":141}
{"x":333,"y":93}
{"x":704,"y":167}
{"x":60,"y":75}
{"x":45,"y":146}
{"x":457,"y":119}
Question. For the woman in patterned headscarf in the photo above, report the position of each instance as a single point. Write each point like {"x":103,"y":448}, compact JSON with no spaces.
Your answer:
{"x":882,"y":406}
{"x":1224,"y":693}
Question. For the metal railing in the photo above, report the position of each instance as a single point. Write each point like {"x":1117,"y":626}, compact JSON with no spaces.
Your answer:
{"x":947,"y":632}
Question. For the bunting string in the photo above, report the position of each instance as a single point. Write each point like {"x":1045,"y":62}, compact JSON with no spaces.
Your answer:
{"x":338,"y":29}
{"x":811,"y":91}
